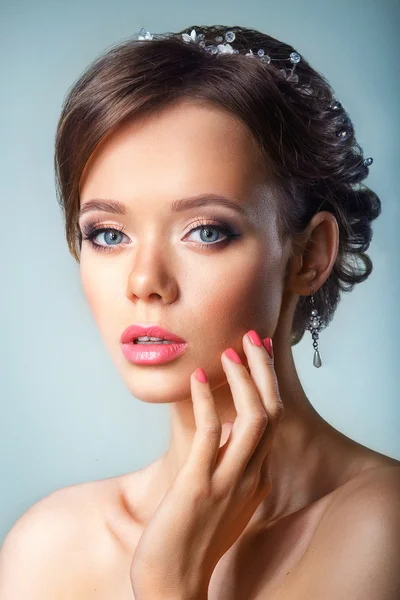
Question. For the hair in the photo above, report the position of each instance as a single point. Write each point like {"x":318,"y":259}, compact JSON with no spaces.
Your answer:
{"x":293,"y":122}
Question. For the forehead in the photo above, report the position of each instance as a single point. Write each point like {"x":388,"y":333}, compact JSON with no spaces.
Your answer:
{"x":180,"y":149}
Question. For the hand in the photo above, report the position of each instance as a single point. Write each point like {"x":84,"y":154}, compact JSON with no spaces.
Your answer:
{"x":217,"y":490}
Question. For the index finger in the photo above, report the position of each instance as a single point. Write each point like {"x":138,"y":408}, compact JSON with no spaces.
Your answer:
{"x":237,"y":456}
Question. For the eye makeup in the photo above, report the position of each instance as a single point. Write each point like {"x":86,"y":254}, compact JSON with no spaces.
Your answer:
{"x":92,"y":229}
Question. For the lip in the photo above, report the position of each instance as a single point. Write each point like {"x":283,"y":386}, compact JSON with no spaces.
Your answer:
{"x":151,"y":330}
{"x":151,"y":354}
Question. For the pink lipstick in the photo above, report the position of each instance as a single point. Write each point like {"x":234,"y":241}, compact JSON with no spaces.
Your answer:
{"x":150,"y":344}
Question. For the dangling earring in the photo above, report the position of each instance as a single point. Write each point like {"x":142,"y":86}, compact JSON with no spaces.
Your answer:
{"x":314,"y":326}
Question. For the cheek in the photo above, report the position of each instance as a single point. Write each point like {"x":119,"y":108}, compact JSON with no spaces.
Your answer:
{"x":99,"y":287}
{"x":89,"y":285}
{"x":241,"y":294}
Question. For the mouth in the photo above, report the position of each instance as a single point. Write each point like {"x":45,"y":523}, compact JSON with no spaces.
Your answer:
{"x":151,"y":341}
{"x":148,"y":334}
{"x":150,"y":344}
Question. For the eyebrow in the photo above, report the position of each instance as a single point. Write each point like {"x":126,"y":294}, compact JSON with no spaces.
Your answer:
{"x":180,"y":205}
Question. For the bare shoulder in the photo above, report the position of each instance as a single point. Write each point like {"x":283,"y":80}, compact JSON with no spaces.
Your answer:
{"x":355,"y":550}
{"x":368,"y":499}
{"x":381,"y":482}
{"x":59,"y":543}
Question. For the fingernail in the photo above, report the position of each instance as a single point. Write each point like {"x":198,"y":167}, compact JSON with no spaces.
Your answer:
{"x":254,"y":337}
{"x":200,"y":375}
{"x":267,"y":343}
{"x":230,"y":353}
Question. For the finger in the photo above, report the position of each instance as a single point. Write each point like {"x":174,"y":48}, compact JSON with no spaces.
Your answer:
{"x":206,"y":440}
{"x":249,"y":425}
{"x":264,"y":376}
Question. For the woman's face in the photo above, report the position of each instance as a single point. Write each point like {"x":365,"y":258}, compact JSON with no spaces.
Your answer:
{"x":156,"y":270}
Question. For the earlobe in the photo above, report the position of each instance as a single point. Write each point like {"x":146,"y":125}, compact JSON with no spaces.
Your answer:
{"x":304,"y":281}
{"x":300,"y":276}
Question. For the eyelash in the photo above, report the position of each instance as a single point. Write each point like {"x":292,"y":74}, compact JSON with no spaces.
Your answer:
{"x":91,"y":230}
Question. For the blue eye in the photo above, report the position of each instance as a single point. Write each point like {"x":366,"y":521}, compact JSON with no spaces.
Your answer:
{"x":207,"y":235}
{"x":90,"y":231}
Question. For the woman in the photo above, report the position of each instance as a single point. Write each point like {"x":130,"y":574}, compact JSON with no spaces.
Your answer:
{"x":211,"y":187}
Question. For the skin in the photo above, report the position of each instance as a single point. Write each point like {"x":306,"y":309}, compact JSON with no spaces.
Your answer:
{"x":157,"y":274}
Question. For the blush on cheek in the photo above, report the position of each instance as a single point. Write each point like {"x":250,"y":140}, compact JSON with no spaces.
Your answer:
{"x":87,"y":288}
{"x":245,"y":302}
{"x":104,"y":299}
{"x":91,"y":292}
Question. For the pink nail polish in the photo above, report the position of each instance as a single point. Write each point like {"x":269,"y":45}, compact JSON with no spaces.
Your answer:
{"x":267,"y":343}
{"x":254,"y":337}
{"x":200,"y":375}
{"x":230,"y":353}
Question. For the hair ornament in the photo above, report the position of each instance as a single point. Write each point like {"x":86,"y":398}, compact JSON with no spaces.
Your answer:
{"x":145,"y":35}
{"x":223,"y":46}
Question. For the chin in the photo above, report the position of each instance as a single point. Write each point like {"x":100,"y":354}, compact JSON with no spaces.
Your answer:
{"x":156,"y":384}
{"x":164,"y":383}
{"x":147,"y":391}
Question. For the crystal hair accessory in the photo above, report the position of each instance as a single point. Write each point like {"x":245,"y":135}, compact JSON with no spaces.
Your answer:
{"x":222,"y":45}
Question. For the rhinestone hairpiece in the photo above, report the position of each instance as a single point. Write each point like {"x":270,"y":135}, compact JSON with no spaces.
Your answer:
{"x":223,"y":46}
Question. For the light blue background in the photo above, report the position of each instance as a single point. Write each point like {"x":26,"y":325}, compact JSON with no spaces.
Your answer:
{"x":66,"y":415}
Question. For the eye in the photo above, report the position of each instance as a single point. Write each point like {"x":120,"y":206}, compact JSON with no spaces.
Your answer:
{"x":210,"y":232}
{"x":90,"y":232}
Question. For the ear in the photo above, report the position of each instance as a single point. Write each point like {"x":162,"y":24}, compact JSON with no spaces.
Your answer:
{"x":314,"y":254}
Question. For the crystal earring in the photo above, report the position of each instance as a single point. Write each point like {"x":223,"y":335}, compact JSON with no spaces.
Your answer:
{"x":314,"y":326}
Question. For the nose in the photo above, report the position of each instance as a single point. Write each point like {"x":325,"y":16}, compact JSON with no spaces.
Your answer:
{"x":151,"y":277}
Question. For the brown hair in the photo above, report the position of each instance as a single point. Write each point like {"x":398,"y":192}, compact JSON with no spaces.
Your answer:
{"x":294,"y":125}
